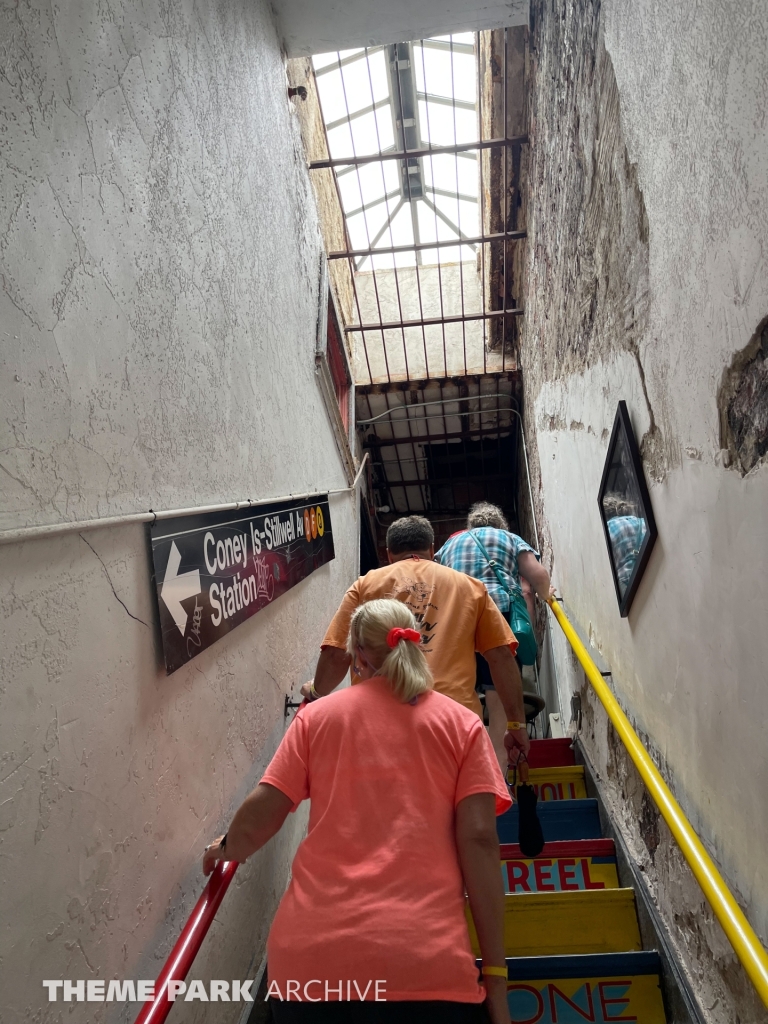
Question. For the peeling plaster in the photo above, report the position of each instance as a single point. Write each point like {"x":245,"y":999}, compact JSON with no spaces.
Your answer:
{"x":647,"y":277}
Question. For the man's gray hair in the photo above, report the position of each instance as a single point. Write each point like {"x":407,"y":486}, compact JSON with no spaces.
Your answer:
{"x":483,"y":513}
{"x":411,"y":533}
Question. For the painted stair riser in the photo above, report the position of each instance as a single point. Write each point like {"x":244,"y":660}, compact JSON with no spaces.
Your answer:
{"x":574,"y":1001}
{"x":561,"y":821}
{"x":603,"y":988}
{"x":555,"y":783}
{"x":560,"y":874}
{"x":551,"y":753}
{"x":567,"y":923}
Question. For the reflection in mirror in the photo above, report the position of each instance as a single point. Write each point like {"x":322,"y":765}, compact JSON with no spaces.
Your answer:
{"x":626,"y":510}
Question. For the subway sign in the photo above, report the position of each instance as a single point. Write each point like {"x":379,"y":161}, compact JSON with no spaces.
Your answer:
{"x":215,"y":570}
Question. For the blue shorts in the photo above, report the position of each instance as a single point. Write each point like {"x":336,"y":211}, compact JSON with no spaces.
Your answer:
{"x":483,"y":677}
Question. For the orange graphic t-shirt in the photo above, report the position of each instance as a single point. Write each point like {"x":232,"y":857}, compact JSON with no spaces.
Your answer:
{"x":376,"y":891}
{"x":455,"y":614}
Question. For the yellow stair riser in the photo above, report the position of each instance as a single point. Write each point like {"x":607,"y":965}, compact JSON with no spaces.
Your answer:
{"x":556,"y":783}
{"x":559,"y":874}
{"x":597,"y":999}
{"x":566,"y":923}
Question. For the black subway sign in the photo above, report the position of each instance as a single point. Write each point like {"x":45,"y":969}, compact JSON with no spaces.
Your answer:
{"x":214,"y":570}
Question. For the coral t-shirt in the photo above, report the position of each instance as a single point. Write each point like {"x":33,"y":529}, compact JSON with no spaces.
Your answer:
{"x":455,"y":614}
{"x":377,"y":893}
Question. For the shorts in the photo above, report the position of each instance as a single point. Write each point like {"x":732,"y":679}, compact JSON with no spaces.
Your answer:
{"x":483,"y":677}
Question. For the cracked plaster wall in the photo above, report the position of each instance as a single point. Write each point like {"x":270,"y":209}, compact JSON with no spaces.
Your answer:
{"x":159,"y":260}
{"x":647,"y":274}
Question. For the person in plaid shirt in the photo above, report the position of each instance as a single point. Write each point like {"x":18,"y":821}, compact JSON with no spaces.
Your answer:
{"x":627,"y":531}
{"x":518,"y":562}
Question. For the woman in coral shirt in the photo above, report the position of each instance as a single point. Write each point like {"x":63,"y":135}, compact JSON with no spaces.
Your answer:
{"x":404,"y":789}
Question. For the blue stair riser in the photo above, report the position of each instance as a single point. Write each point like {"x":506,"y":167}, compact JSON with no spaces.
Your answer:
{"x":561,"y":820}
{"x":598,"y":1000}
{"x":599,"y":988}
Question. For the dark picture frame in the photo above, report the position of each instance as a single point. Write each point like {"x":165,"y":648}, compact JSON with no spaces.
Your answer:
{"x":625,"y":510}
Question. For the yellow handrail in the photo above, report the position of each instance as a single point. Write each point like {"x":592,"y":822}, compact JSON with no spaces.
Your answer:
{"x":739,"y":931}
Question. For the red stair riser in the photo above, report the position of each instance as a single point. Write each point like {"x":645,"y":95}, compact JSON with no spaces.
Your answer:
{"x":567,"y":874}
{"x":574,"y":848}
{"x":555,"y":753}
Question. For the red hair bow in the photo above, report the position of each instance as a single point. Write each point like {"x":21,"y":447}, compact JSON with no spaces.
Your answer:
{"x":394,"y":636}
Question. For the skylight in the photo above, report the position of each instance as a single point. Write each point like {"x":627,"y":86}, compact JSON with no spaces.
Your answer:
{"x":405,"y":97}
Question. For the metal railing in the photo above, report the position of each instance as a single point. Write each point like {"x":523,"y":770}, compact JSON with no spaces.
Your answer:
{"x":737,"y":928}
{"x":188,"y":944}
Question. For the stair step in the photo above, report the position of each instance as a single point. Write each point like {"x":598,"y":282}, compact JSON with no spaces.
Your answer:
{"x":561,"y":867}
{"x":566,"y":923}
{"x":554,"y":753}
{"x":561,"y":820}
{"x":598,"y":987}
{"x":557,"y":783}
{"x":575,"y":848}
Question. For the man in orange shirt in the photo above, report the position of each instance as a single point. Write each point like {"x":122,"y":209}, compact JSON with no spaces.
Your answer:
{"x":456,"y":617}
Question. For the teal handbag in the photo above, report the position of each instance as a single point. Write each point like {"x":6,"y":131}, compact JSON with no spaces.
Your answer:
{"x":519,"y":620}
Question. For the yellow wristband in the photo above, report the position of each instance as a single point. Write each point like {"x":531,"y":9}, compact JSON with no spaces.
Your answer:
{"x":515,"y":725}
{"x":495,"y":972}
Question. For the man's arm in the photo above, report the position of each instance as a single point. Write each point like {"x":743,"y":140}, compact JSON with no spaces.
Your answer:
{"x":332,"y":665}
{"x":533,"y":571}
{"x":334,"y":662}
{"x":509,"y":686}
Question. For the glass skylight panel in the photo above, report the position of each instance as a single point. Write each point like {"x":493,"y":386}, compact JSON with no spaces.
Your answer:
{"x":444,"y":126}
{"x":446,"y":73}
{"x":452,"y":173}
{"x":362,"y":136}
{"x":332,"y":96}
{"x":377,"y":64}
{"x":360,"y":110}
{"x":365,"y":226}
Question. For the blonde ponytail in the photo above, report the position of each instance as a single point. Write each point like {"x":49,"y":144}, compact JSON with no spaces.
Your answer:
{"x":404,"y":665}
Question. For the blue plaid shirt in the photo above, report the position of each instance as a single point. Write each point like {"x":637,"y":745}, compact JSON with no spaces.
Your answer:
{"x":627,"y":534}
{"x":462,"y":553}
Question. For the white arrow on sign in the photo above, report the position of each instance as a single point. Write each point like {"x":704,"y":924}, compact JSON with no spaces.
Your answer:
{"x":177,"y":588}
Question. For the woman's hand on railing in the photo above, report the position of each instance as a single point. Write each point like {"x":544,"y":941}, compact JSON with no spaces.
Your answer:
{"x":214,"y":852}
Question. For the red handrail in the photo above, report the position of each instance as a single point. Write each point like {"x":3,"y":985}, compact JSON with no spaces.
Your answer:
{"x":189,"y":942}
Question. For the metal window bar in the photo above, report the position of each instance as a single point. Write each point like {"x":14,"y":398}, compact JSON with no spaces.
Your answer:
{"x":439,"y":262}
{"x":391,"y":237}
{"x":414,"y":212}
{"x":475,"y":240}
{"x":373,"y":158}
{"x":458,"y":217}
{"x":429,"y":321}
{"x":414,"y":216}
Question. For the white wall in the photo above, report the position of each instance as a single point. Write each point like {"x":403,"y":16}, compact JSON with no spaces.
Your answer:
{"x":320,"y":26}
{"x":689,"y":661}
{"x":160,"y":260}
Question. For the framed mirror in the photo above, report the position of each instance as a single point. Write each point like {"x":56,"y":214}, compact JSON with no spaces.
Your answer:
{"x":625,"y":509}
